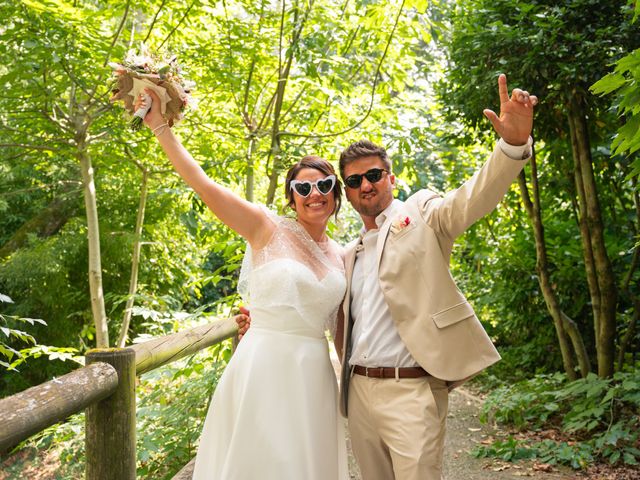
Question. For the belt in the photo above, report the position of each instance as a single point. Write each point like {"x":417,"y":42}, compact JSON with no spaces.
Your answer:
{"x":390,"y":372}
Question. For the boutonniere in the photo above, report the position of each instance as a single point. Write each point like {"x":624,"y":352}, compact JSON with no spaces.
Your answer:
{"x":400,"y":224}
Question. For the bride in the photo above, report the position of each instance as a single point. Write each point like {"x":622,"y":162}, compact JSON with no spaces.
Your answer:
{"x":274,"y":412}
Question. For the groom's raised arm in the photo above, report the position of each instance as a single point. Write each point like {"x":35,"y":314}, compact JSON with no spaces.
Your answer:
{"x":452,"y":214}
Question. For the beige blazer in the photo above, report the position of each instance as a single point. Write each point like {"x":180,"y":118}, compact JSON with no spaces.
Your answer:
{"x":433,"y":318}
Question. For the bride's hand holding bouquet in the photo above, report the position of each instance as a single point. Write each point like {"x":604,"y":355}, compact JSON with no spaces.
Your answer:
{"x":148,"y":101}
{"x":144,"y":72}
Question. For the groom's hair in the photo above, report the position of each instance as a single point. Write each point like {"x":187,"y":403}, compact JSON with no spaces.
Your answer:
{"x":362,"y":149}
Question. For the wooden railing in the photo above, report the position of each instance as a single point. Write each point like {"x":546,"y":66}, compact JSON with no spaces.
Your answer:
{"x":105,"y":389}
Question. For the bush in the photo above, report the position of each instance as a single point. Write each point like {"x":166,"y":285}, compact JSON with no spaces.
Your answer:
{"x":596,"y":419}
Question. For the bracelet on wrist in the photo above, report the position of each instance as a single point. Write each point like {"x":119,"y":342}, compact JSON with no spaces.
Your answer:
{"x":160,"y":129}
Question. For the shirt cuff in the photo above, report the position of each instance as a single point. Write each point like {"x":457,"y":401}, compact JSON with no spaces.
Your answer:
{"x":516,"y":152}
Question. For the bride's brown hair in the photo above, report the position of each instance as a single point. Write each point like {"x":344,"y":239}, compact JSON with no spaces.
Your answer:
{"x":317,"y":163}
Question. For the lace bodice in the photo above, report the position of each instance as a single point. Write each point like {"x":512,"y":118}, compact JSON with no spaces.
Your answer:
{"x":293,"y":284}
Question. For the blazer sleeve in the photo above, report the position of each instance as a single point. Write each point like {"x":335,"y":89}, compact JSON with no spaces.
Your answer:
{"x":450,"y":215}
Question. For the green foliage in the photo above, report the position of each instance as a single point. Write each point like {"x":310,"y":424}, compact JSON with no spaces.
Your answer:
{"x":577,"y":455}
{"x":543,"y":46}
{"x":16,"y":356}
{"x":9,"y":332}
{"x":624,"y":82}
{"x":528,"y":403}
{"x":600,"y":416}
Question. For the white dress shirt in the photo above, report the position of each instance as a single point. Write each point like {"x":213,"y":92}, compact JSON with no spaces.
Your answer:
{"x":376,"y":342}
{"x":375,"y":339}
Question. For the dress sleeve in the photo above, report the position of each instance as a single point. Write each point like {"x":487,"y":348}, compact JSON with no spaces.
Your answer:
{"x":252,"y":258}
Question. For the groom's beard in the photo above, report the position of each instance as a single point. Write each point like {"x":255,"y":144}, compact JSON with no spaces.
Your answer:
{"x":373,"y":206}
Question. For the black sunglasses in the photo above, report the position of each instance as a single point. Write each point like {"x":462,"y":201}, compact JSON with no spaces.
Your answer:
{"x":373,"y":176}
{"x":304,"y":187}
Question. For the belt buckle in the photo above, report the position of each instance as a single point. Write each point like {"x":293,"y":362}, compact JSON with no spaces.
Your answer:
{"x":378,"y":370}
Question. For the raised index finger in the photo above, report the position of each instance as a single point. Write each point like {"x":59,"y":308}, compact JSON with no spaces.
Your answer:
{"x":502,"y":88}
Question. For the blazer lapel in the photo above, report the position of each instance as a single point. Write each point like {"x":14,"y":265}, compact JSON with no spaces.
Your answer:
{"x":349,"y":263}
{"x":382,"y":237}
{"x":399,"y":211}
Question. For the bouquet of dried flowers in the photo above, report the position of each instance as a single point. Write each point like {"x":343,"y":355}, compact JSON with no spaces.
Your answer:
{"x":142,"y":70}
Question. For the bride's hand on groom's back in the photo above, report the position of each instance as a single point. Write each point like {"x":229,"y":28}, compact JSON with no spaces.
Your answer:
{"x":243,"y":319}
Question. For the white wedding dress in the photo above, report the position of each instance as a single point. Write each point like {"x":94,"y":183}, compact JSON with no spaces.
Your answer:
{"x":274,"y":413}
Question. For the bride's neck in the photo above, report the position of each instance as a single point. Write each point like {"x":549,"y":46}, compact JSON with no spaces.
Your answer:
{"x":317,"y":231}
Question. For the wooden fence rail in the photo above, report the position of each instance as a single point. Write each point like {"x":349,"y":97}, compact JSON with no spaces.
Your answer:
{"x":36,"y":408}
{"x":105,"y":387}
{"x":160,"y":351}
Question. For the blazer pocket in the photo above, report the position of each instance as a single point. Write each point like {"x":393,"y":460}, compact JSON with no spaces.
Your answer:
{"x":452,"y":315}
{"x":403,"y":232}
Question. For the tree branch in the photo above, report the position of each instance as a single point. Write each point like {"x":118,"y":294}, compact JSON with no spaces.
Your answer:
{"x":373,"y":91}
{"x":153,"y":22}
{"x":30,"y":147}
{"x":184,"y":17}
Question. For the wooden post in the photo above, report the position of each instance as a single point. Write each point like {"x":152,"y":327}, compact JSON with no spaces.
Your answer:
{"x":110,"y":425}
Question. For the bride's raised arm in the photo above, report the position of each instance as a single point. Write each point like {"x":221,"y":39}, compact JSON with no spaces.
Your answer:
{"x":246,"y":218}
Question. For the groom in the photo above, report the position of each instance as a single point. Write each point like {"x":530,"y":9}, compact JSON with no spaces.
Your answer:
{"x":408,"y":335}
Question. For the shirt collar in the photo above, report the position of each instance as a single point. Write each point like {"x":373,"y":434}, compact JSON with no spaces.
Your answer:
{"x":383,"y":216}
{"x":387,"y":212}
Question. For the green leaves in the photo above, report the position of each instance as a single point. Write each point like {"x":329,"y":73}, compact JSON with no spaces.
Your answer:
{"x":601,"y":413}
{"x":10,"y":332}
{"x":608,"y":84}
{"x":552,"y":49}
{"x":624,"y":82}
{"x":509,"y":450}
{"x":14,"y":337}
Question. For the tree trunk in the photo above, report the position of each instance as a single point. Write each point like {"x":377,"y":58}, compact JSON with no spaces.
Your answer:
{"x":135,"y":260}
{"x":251,"y":150}
{"x":600,"y":276}
{"x":45,"y":224}
{"x":275,"y":143}
{"x":93,"y":236}
{"x":563,"y":323}
{"x":283,"y":76}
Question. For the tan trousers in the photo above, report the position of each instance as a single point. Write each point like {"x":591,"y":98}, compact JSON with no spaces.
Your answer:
{"x":397,"y":427}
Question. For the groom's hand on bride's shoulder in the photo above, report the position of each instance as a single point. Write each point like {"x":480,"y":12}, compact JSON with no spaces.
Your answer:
{"x":243,"y":319}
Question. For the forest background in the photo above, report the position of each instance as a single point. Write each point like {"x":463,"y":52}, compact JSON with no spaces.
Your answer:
{"x":102,"y":245}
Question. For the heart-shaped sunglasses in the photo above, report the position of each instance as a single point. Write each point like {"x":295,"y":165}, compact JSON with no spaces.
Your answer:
{"x":304,"y":187}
